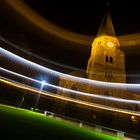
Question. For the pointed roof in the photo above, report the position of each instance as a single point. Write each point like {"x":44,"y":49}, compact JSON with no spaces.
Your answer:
{"x":106,"y":27}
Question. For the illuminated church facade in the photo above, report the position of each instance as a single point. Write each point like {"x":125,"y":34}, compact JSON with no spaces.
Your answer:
{"x":106,"y":63}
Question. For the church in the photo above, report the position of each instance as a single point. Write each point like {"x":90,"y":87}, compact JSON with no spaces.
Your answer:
{"x":106,"y":63}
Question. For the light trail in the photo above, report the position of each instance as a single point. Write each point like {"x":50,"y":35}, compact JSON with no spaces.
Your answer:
{"x":109,"y":85}
{"x":37,"y":56}
{"x":53,"y":62}
{"x":46,"y":26}
{"x":73,"y":91}
{"x":34,"y":90}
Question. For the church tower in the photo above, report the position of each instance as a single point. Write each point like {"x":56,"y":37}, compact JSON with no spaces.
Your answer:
{"x":107,"y":61}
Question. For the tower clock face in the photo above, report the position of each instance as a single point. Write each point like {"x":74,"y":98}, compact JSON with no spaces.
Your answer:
{"x":110,"y":44}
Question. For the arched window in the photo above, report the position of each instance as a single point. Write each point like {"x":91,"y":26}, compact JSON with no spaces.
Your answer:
{"x":111,"y":60}
{"x":108,"y":75}
{"x":106,"y":59}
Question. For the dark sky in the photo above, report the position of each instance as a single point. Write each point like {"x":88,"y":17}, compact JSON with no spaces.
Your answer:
{"x":86,"y":16}
{"x":82,"y":17}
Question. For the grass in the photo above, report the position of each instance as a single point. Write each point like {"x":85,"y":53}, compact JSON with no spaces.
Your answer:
{"x":25,"y":124}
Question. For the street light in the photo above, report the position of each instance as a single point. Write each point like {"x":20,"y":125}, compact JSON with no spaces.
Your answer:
{"x":37,"y":100}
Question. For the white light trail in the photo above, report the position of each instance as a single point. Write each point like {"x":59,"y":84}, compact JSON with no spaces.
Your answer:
{"x":111,"y":85}
{"x":37,"y":56}
{"x":34,"y":90}
{"x":70,"y":90}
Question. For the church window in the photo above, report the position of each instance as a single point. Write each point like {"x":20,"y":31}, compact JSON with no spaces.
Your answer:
{"x":111,"y":60}
{"x":106,"y":58}
{"x":108,"y":75}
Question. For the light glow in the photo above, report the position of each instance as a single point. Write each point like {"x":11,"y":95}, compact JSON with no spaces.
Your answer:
{"x":110,"y":44}
{"x":43,"y":83}
{"x":34,"y":90}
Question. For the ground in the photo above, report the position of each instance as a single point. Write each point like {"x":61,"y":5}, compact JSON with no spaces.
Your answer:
{"x":23,"y":124}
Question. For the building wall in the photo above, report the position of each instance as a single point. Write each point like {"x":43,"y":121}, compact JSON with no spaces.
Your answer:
{"x":106,"y":63}
{"x":101,"y":69}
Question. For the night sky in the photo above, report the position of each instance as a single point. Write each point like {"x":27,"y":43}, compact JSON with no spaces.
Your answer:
{"x":83,"y":17}
{"x":86,"y":16}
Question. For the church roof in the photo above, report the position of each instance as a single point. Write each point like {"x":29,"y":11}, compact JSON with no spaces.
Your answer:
{"x":106,"y":27}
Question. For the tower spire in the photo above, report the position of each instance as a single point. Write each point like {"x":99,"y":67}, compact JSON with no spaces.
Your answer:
{"x":106,"y":27}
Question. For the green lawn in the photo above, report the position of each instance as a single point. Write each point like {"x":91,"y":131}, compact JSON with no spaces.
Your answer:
{"x":21,"y":123}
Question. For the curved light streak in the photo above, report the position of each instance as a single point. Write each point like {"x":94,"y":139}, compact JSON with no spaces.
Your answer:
{"x":50,"y":61}
{"x":47,"y":26}
{"x":70,"y":90}
{"x":109,"y":85}
{"x":129,"y":40}
{"x":37,"y":56}
{"x":103,"y":107}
